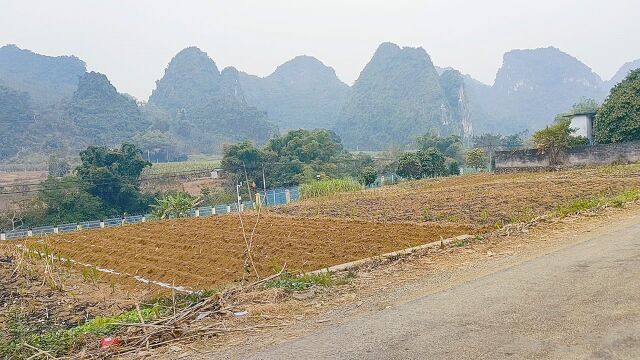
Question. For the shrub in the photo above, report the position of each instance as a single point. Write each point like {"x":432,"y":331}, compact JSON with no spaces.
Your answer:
{"x":328,"y":187}
{"x":368,"y":176}
{"x":476,"y":158}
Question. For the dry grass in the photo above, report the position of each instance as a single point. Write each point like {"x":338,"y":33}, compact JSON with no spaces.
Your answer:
{"x":484,"y":199}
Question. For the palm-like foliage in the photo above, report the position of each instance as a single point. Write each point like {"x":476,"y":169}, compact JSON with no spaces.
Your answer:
{"x":174,"y":206}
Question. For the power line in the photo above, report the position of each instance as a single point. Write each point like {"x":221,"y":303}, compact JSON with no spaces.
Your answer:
{"x":77,"y":182}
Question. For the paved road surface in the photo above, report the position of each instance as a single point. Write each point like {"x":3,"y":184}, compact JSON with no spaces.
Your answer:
{"x":582,"y":302}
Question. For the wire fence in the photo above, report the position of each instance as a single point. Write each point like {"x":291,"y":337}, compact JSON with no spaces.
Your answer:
{"x":268,"y":198}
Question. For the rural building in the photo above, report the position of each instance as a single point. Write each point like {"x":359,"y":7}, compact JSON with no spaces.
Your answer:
{"x":583,"y":124}
{"x":216,"y":173}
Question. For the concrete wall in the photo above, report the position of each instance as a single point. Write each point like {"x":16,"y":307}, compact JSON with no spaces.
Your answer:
{"x":515,"y":159}
{"x":628,"y":152}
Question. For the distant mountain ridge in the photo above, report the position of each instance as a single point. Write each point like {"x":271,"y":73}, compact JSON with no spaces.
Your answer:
{"x":400,"y":94}
{"x":207,"y":108}
{"x":301,"y":93}
{"x":531,"y":87}
{"x":47,"y":79}
{"x":622,"y":73}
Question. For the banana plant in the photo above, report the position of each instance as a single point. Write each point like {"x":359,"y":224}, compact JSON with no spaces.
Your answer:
{"x":174,"y":206}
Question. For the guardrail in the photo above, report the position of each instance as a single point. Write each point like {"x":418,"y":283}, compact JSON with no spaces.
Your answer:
{"x":267,"y":198}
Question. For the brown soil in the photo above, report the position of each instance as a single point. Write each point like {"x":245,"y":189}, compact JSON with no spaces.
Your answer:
{"x":10,"y":178}
{"x":194,"y":187}
{"x":208,"y":252}
{"x":476,"y":199}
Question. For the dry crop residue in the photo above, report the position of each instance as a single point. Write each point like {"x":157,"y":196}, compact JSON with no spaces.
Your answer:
{"x":47,"y":296}
{"x":208,"y":252}
{"x":476,"y":199}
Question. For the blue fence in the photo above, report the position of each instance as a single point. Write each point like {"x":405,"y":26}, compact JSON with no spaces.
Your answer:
{"x":269,"y":198}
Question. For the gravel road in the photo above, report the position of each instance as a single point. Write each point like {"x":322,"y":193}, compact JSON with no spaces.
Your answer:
{"x":581,"y":302}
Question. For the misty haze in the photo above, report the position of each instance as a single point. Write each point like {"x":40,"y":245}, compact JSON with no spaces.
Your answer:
{"x":319,"y":180}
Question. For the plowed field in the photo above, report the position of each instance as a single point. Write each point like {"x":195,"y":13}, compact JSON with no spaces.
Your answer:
{"x":208,"y":252}
{"x":477,"y":199}
{"x":316,"y":233}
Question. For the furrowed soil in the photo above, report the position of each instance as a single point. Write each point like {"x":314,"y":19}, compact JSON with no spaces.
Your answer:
{"x":475,"y":199}
{"x":204,"y":253}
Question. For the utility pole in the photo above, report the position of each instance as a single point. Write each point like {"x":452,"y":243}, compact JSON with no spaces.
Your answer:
{"x":246,"y":178}
{"x":264,"y":186}
{"x":238,"y":193}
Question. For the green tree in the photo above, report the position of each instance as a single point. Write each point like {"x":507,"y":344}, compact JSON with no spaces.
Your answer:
{"x":432,"y":162}
{"x":66,"y":200}
{"x":453,"y":167}
{"x":553,"y":140}
{"x":241,"y":157}
{"x":157,"y":146}
{"x":489,"y":143}
{"x":618,"y":119}
{"x":476,"y":158}
{"x":368,"y":176}
{"x":58,"y":167}
{"x":113,"y":176}
{"x":451,"y":146}
{"x":409,"y":166}
{"x":293,"y":158}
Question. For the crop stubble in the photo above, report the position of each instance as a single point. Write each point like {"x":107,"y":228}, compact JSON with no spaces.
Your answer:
{"x":477,"y":199}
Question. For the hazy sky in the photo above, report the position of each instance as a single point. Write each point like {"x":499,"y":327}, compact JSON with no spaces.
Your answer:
{"x":132,"y":41}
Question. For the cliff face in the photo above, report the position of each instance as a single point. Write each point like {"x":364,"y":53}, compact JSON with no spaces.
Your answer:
{"x":397,"y":97}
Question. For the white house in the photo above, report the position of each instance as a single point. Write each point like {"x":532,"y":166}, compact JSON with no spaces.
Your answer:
{"x":583,"y":123}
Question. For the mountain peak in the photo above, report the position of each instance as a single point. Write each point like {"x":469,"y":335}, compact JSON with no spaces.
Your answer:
{"x":304,"y":69}
{"x":398,"y":95}
{"x":622,"y":73}
{"x":94,"y":84}
{"x":191,"y":77}
{"x":47,"y":79}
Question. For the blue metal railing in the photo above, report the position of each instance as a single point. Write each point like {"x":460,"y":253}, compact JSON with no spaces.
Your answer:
{"x":269,"y":198}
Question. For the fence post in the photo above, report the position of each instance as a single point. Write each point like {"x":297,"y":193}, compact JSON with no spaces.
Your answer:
{"x":3,"y":236}
{"x":213,"y":210}
{"x":78,"y":227}
{"x":228,"y":208}
{"x":102,"y":224}
{"x":56,"y":230}
{"x":197,"y":213}
{"x":258,"y":200}
{"x":29,"y":233}
{"x":287,"y":196}
{"x":144,"y":219}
